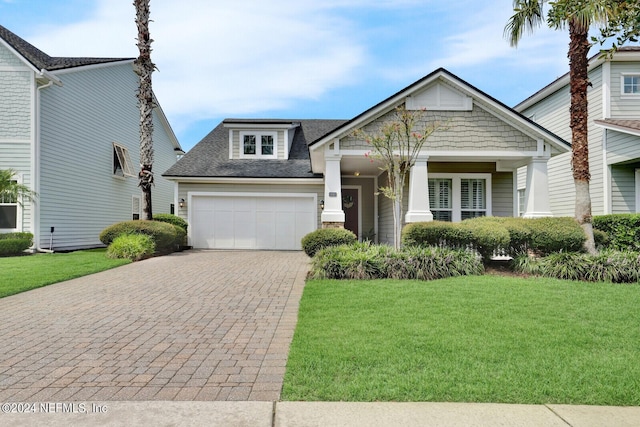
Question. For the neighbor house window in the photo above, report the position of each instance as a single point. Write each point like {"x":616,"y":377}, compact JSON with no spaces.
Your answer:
{"x":456,"y":197}
{"x":258,"y":144}
{"x":9,"y":212}
{"x":122,"y":165}
{"x":631,"y":84}
{"x":521,"y":201}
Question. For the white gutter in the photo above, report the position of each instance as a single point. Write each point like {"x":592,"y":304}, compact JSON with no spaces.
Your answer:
{"x":35,"y":158}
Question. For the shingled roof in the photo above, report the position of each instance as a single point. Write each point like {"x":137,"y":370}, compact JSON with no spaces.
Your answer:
{"x":41,"y":60}
{"x":210,"y":157}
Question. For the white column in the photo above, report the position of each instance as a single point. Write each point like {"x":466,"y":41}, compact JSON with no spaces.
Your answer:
{"x":419,"y":193}
{"x":537,"y":192}
{"x":332,"y":190}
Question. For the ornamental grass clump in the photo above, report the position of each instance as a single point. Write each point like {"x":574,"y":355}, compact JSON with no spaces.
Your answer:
{"x":367,"y":261}
{"x":134,"y":247}
{"x":606,"y":266}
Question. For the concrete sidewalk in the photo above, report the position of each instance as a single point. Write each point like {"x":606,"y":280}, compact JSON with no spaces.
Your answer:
{"x":332,"y":414}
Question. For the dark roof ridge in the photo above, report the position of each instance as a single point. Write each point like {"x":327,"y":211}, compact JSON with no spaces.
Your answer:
{"x":41,"y":60}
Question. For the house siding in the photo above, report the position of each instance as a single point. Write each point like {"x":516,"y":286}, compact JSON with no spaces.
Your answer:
{"x":235,"y":142}
{"x":385,"y":214}
{"x":623,"y":106}
{"x":553,"y":113}
{"x":623,"y":188}
{"x":622,"y":147}
{"x":79,"y":123}
{"x":476,"y":130}
{"x":16,"y":121}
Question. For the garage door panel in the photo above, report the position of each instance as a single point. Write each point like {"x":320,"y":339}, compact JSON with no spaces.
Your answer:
{"x":251,"y":222}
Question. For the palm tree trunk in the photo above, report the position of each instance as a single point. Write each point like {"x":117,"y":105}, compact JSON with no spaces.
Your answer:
{"x":144,"y":69}
{"x":579,"y":83}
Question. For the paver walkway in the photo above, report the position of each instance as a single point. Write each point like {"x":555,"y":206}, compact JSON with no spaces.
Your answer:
{"x":198,"y":325}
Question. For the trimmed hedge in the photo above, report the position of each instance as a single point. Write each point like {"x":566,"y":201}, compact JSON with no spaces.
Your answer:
{"x":622,"y":230}
{"x":513,"y":236}
{"x":164,"y":235}
{"x":12,"y":244}
{"x":172,"y":219}
{"x":131,"y":246}
{"x":324,"y":237}
{"x":367,"y":261}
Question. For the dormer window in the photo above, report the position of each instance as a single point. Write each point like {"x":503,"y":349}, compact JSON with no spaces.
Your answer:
{"x":631,"y":84}
{"x":258,"y":144}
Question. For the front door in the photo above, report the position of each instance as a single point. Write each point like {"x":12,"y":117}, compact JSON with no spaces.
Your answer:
{"x":350,"y":205}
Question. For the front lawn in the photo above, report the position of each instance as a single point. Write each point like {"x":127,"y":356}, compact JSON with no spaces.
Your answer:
{"x":19,"y":274}
{"x":467,"y":339}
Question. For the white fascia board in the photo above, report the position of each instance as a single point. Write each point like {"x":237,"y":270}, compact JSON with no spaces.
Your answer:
{"x":621,"y":129}
{"x":262,"y":126}
{"x":234,"y":180}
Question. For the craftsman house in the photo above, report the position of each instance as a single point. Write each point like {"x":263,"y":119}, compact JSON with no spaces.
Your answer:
{"x":264,"y":184}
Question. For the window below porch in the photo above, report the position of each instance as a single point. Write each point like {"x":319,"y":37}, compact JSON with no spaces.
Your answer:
{"x":460,"y":196}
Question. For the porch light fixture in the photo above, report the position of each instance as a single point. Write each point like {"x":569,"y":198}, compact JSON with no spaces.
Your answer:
{"x":181,"y":204}
{"x":357,"y":173}
{"x":322,"y":204}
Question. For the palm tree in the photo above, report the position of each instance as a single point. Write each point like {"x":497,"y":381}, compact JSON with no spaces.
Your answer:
{"x":11,"y":191}
{"x":144,"y":69}
{"x":578,"y":16}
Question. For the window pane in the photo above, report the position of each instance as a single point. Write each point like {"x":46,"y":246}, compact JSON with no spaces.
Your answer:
{"x":440,"y":194}
{"x":631,"y":84}
{"x":267,"y":145}
{"x":471,"y":214}
{"x":473,"y":193}
{"x":8,"y":216}
{"x":249,"y":144}
{"x":442,"y":215}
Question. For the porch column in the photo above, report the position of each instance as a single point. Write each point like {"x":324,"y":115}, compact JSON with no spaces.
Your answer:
{"x":332,"y":215}
{"x":537,"y":192}
{"x":419,"y":192}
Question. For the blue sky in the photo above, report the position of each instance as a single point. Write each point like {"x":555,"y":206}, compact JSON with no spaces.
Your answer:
{"x":296,"y":58}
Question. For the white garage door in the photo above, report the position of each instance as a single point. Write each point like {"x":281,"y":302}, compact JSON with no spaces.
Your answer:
{"x":269,"y":221}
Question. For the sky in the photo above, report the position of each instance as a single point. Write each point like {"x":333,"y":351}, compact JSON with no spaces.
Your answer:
{"x":296,"y":59}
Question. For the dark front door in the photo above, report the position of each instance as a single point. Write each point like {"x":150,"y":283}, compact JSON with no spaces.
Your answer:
{"x":350,"y":207}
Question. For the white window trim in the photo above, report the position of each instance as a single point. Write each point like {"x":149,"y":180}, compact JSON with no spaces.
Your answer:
{"x":258,"y":135}
{"x":622,"y":93}
{"x":456,"y":203}
{"x":19,"y":210}
{"x":125,"y":160}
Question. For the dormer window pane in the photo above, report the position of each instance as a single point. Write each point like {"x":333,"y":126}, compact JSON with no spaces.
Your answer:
{"x":267,"y":145}
{"x":249,"y":144}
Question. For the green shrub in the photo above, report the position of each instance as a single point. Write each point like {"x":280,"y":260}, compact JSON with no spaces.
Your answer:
{"x":555,"y":234}
{"x":15,"y":243}
{"x":164,"y":235}
{"x":367,"y":261}
{"x":323,"y":237}
{"x":172,"y":219}
{"x":606,"y":266}
{"x":623,"y":230}
{"x":488,"y":235}
{"x":601,"y":238}
{"x":181,"y":238}
{"x":131,"y":246}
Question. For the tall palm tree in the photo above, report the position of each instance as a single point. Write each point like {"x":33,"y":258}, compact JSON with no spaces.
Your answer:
{"x":578,"y":16}
{"x":144,"y":69}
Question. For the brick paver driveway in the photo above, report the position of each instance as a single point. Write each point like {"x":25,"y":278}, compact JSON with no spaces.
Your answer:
{"x":198,"y":325}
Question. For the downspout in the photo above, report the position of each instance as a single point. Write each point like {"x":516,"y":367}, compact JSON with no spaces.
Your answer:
{"x":35,"y":160}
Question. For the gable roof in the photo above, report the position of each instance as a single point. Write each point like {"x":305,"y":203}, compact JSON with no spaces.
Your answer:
{"x":40,"y":60}
{"x":209,"y":158}
{"x":400,"y":97}
{"x":621,"y":125}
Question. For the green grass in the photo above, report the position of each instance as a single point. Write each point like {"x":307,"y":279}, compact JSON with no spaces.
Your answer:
{"x":467,"y":339}
{"x":19,"y":274}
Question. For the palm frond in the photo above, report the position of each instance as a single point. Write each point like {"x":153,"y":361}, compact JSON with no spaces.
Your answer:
{"x":527,"y":17}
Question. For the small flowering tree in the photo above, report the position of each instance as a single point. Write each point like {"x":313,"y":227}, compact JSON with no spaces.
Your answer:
{"x":396,"y":146}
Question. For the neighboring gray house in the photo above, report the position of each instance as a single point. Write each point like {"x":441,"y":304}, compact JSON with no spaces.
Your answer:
{"x":614,"y":135}
{"x":69,"y":128}
{"x":263,"y":184}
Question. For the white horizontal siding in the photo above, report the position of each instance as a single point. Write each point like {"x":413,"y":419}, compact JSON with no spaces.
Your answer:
{"x":80,"y":121}
{"x":623,"y":189}
{"x":622,"y":147}
{"x":623,"y":106}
